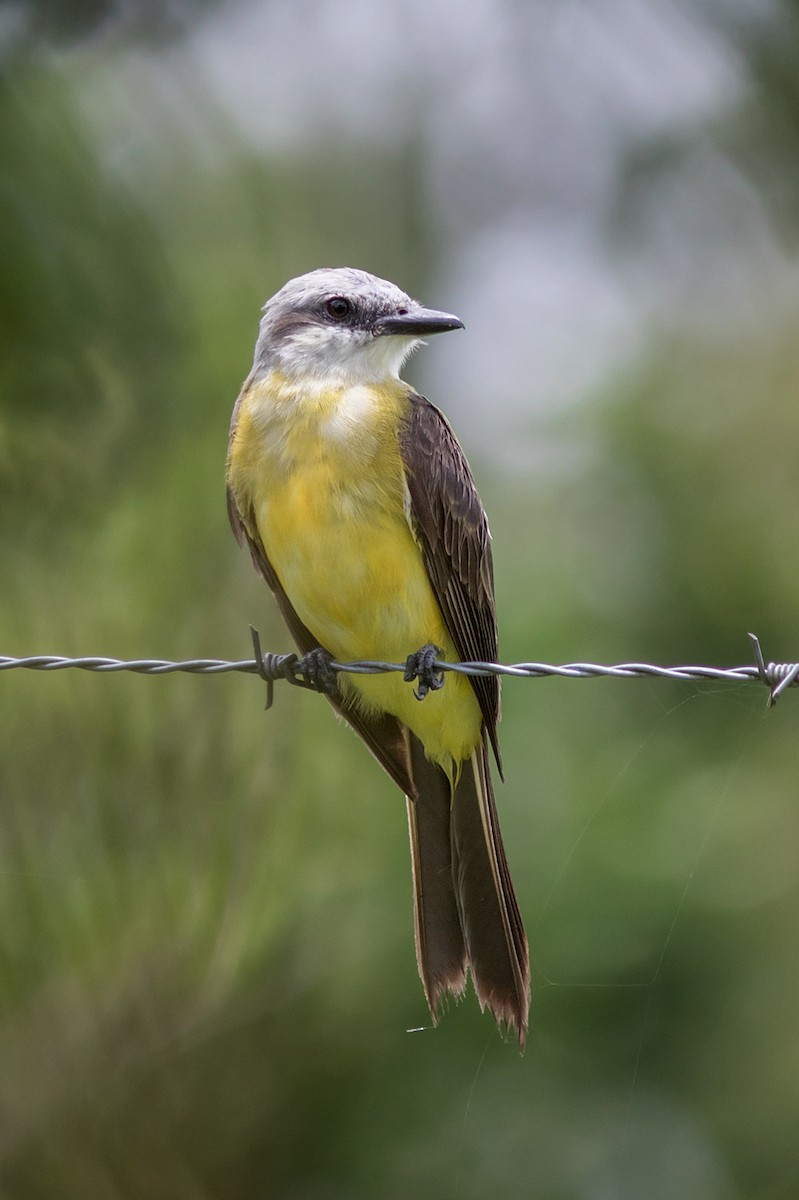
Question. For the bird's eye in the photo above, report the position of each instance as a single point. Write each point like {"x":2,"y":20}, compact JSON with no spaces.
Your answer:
{"x":338,"y":307}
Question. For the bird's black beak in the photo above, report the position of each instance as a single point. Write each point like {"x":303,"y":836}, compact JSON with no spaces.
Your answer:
{"x":416,"y":322}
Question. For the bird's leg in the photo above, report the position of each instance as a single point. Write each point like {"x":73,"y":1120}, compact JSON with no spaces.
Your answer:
{"x":317,"y":672}
{"x":420,"y":666}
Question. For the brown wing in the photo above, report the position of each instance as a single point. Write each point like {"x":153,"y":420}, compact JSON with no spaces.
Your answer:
{"x":451,"y":527}
{"x":384,"y":735}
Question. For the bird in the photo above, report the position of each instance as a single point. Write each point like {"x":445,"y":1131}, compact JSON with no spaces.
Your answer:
{"x":360,"y":511}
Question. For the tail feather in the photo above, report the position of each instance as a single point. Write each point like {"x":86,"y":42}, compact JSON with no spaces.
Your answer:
{"x":464,"y":904}
{"x":440,"y":949}
{"x":492,"y":926}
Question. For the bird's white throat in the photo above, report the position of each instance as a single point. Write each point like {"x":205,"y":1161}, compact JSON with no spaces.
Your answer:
{"x":321,"y":357}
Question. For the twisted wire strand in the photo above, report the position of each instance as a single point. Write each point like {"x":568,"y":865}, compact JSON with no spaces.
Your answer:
{"x":251,"y":666}
{"x":272,"y":667}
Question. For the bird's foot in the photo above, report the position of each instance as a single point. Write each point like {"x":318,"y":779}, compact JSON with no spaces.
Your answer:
{"x":316,"y":671}
{"x":420,"y":666}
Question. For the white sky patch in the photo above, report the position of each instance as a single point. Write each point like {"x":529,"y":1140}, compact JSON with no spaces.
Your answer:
{"x":288,"y":71}
{"x":545,"y":319}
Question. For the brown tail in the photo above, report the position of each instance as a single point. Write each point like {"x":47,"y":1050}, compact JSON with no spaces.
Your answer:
{"x":464,"y":904}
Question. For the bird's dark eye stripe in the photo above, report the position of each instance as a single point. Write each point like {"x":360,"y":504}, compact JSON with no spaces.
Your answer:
{"x":338,"y":307}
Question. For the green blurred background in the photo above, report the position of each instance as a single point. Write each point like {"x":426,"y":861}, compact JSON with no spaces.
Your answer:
{"x":207,"y":977}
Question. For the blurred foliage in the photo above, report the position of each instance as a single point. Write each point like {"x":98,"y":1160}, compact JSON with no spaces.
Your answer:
{"x":69,"y":22}
{"x":208,"y":978}
{"x":83,"y":288}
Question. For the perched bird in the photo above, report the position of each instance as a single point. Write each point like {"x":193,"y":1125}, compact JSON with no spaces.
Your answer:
{"x":360,"y":511}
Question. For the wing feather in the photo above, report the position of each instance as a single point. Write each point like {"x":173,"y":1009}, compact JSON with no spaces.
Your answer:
{"x":450,"y":525}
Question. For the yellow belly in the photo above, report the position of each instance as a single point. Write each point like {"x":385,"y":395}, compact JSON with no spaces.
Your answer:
{"x":356,"y":578}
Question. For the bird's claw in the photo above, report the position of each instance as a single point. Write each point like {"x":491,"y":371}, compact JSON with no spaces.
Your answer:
{"x":420,"y":665}
{"x":316,"y":671}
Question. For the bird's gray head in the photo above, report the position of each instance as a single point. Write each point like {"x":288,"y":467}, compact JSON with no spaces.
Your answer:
{"x":343,"y":325}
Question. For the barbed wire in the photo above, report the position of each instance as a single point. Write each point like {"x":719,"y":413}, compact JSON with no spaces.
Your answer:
{"x":293,"y":669}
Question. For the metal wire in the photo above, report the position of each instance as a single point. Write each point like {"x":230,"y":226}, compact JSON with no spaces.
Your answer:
{"x":272,"y":667}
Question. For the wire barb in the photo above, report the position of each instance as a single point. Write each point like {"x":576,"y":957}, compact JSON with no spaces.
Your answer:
{"x":266,"y":666}
{"x":270,"y":667}
{"x":776,"y":676}
{"x":279,"y":666}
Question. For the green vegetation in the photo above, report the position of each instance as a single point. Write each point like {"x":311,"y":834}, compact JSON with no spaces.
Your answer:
{"x":207,"y":978}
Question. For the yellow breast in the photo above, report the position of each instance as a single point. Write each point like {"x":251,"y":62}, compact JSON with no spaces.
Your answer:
{"x":323,"y":474}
